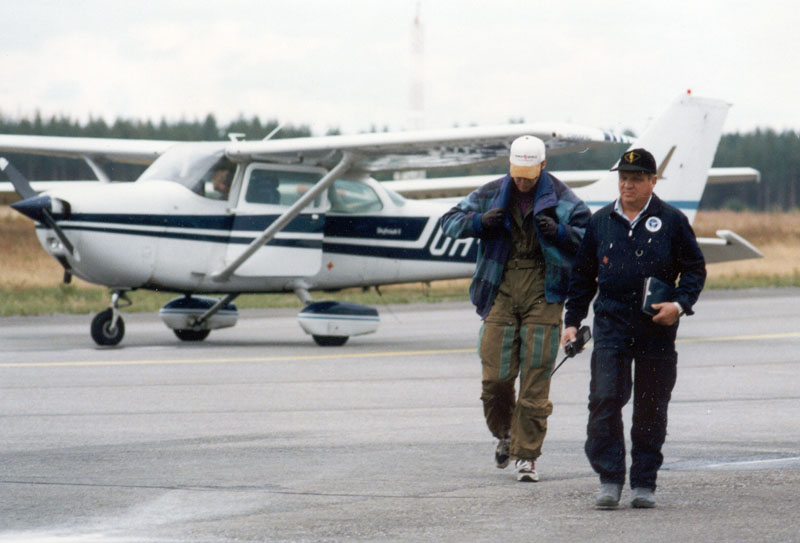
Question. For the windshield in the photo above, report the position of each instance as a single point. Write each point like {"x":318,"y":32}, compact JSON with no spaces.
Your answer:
{"x":190,"y":164}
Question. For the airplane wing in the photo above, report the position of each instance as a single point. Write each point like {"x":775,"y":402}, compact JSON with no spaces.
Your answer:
{"x":374,"y":152}
{"x":116,"y":149}
{"x":428,"y":149}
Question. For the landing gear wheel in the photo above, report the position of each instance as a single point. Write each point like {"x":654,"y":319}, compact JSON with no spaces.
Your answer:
{"x":330,"y":341}
{"x":192,"y":335}
{"x":102,"y":334}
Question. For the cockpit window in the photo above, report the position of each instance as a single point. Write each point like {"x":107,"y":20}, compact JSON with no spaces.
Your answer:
{"x":216,"y":182}
{"x":200,"y":167}
{"x":353,"y":197}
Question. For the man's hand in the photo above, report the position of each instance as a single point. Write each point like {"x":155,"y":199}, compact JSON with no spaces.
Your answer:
{"x":493,"y":219}
{"x":570,"y":334}
{"x":667,"y":313}
{"x":548,"y":227}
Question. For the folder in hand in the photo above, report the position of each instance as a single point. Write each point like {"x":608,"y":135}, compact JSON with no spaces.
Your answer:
{"x":656,"y":291}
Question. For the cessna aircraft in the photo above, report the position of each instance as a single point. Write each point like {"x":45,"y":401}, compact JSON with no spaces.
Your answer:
{"x":303,"y":214}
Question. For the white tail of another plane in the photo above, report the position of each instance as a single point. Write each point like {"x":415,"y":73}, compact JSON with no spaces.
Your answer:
{"x":683,"y":141}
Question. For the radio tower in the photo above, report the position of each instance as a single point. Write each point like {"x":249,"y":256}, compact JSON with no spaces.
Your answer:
{"x":416,"y":89}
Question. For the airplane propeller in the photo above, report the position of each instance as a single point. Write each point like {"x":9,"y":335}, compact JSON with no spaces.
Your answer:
{"x":32,"y":205}
{"x":21,"y":185}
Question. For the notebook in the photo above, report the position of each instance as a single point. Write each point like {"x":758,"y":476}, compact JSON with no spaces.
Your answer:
{"x":655,"y":292}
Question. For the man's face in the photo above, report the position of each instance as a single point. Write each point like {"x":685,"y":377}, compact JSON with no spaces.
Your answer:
{"x":527,"y":184}
{"x":635,"y":188}
{"x":221,"y":180}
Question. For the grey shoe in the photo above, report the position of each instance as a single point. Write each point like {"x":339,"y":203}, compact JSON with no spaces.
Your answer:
{"x":643,"y":498}
{"x":608,"y":496}
{"x":501,"y":453}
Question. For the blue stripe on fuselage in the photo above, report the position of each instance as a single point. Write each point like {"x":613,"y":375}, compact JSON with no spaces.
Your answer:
{"x":237,"y":240}
{"x":393,"y":228}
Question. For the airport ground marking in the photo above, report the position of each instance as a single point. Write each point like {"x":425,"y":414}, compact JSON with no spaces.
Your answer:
{"x":233,"y":360}
{"x":753,"y":462}
{"x":747,"y":337}
{"x":339,"y":356}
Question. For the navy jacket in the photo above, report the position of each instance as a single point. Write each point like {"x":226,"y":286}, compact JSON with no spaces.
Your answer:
{"x":614,"y":260}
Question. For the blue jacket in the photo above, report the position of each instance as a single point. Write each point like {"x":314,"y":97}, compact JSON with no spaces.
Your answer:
{"x":553,"y":198}
{"x":614,"y":261}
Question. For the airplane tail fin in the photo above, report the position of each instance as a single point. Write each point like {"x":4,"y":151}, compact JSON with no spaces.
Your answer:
{"x":683,"y":141}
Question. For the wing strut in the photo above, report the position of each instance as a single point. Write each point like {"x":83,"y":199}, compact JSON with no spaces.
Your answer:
{"x":286,"y":218}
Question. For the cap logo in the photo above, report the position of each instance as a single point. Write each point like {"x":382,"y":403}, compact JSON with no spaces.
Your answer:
{"x":632,"y":157}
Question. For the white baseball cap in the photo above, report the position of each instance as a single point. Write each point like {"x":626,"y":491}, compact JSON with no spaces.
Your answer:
{"x":527,"y":153}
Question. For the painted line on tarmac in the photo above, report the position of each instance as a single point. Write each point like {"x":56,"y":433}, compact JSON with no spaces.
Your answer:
{"x":387,"y":354}
{"x":748,"y":337}
{"x":231,"y":360}
{"x":752,"y":463}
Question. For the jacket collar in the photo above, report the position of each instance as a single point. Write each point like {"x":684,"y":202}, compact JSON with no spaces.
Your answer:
{"x":653,"y":207}
{"x":545,"y":193}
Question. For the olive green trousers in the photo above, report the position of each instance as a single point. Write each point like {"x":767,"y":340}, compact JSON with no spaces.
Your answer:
{"x":519,"y":342}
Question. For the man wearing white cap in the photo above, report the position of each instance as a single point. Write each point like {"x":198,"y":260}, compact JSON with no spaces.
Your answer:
{"x":530,"y":225}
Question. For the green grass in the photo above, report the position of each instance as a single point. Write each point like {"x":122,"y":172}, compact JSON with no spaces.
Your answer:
{"x":80,"y":300}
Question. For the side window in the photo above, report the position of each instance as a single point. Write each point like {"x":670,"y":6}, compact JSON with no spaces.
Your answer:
{"x":277,"y":187}
{"x":263,"y":188}
{"x":353,"y":197}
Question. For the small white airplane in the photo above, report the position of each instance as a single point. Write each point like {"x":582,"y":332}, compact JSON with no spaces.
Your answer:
{"x":304,"y":214}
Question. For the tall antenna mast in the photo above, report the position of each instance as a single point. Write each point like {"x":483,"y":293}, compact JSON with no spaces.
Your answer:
{"x":417,"y":87}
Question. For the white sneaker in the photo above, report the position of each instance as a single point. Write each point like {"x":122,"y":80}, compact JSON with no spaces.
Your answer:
{"x":526,"y":471}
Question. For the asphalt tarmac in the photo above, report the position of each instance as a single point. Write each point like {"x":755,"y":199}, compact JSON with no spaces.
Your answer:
{"x":257,"y":434}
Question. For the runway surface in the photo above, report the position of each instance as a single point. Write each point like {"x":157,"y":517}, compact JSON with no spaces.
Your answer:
{"x":257,"y":434}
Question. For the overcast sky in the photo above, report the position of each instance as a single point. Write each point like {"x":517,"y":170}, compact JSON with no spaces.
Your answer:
{"x":349,"y":64}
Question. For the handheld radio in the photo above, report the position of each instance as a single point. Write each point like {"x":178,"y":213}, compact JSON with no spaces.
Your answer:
{"x":574,"y":347}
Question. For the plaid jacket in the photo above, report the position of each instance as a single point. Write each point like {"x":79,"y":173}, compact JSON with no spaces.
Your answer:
{"x":552,"y":198}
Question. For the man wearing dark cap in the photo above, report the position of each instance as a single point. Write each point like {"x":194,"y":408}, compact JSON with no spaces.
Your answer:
{"x":635,"y":238}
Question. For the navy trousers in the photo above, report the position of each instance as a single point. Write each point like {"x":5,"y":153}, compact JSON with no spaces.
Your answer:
{"x":614,"y":378}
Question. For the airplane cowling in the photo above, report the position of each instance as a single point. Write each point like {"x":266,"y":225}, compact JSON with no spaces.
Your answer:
{"x":339,"y":319}
{"x":181,"y":313}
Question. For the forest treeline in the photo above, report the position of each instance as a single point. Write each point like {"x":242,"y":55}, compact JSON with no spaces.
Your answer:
{"x":775,"y":154}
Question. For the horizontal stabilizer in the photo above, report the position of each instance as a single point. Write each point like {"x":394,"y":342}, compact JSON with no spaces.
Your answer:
{"x":726,"y":247}
{"x":445,"y":187}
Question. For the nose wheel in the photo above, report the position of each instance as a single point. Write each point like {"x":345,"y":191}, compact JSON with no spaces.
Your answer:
{"x":108,"y":328}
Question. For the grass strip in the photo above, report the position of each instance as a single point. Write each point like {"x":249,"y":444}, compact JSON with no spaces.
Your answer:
{"x":71,"y":299}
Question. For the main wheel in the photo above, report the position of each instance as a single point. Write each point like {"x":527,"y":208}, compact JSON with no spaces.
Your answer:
{"x":192,"y":335}
{"x":330,"y":341}
{"x":102,"y":334}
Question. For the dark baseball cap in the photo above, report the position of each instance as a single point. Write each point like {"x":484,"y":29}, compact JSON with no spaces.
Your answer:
{"x":636,"y":160}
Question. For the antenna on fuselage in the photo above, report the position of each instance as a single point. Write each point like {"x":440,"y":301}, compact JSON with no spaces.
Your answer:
{"x":277,"y":129}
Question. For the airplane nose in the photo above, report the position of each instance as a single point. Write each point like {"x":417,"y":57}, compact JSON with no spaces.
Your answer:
{"x":35,"y":207}
{"x":44,"y":209}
